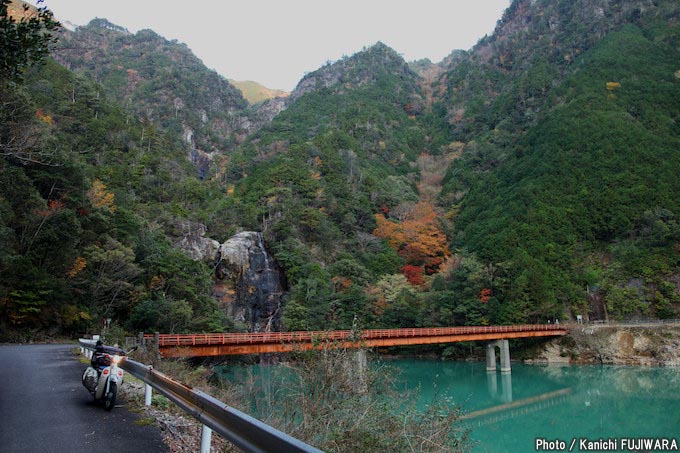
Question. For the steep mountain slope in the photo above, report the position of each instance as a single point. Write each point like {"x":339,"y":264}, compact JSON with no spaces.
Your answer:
{"x":315,"y":177}
{"x":561,"y":196}
{"x":500,"y":85}
{"x":566,"y":185}
{"x":162,"y":83}
{"x":84,"y":208}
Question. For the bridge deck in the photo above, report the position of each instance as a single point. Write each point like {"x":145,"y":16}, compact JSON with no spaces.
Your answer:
{"x":213,"y":344}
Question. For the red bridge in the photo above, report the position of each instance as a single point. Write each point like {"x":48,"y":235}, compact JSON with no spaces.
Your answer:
{"x":215,"y":344}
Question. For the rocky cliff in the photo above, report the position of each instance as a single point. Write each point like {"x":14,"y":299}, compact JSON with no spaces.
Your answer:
{"x":190,"y":238}
{"x":250,"y":282}
{"x":647,"y":345}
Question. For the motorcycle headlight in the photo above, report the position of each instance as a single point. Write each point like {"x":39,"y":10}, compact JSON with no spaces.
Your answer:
{"x":116,"y":359}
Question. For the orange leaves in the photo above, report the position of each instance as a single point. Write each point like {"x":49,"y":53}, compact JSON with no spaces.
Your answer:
{"x":417,"y":239}
{"x":100,"y":197}
{"x":484,"y":295}
{"x":78,"y":266}
{"x":418,"y":234}
{"x":341,"y":283}
{"x":47,"y":119}
{"x":53,"y":207}
{"x":423,"y":212}
{"x":389,"y":230}
{"x":419,"y":229}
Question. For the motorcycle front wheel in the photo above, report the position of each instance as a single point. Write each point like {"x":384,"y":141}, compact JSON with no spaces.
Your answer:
{"x":110,"y":397}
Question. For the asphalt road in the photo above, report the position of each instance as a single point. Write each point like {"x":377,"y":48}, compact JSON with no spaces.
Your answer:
{"x":45,"y":408}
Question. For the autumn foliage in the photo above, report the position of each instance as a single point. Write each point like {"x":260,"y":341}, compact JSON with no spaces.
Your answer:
{"x":78,"y":266}
{"x":484,"y":295}
{"x":414,"y":274}
{"x":53,"y":207}
{"x":100,"y":197}
{"x":417,"y":239}
{"x":47,"y":119}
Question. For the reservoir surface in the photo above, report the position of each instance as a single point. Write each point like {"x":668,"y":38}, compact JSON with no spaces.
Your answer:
{"x":509,"y":412}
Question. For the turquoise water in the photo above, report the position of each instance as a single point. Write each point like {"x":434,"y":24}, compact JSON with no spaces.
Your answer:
{"x":553,"y":402}
{"x":508,"y":412}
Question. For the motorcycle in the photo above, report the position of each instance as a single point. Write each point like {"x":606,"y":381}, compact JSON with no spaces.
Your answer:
{"x":103,"y":383}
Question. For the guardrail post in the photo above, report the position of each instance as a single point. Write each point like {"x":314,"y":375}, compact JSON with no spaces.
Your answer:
{"x":147,"y":395}
{"x":206,"y":437}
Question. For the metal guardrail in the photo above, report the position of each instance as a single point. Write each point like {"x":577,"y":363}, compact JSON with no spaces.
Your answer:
{"x":635,"y":322}
{"x":239,"y":428}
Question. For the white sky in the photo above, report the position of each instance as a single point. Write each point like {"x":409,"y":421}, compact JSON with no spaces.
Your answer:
{"x":275,"y":42}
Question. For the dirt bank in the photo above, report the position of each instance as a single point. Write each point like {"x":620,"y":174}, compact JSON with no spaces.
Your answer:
{"x":650,"y":345}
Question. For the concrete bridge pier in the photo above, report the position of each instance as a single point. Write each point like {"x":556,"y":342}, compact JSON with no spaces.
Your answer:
{"x":504,"y":347}
{"x":491,"y":357}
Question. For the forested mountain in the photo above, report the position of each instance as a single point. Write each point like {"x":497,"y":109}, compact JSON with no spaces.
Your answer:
{"x":89,"y":194}
{"x":314,"y":179}
{"x":531,"y":177}
{"x":568,"y":182}
{"x":162,"y":83}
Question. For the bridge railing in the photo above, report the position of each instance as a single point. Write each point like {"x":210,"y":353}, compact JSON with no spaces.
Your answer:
{"x":165,"y":340}
{"x":239,"y":428}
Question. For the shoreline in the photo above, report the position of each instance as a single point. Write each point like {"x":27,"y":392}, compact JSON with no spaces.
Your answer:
{"x":614,"y":344}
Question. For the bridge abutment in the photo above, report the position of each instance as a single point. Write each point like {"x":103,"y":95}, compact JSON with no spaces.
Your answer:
{"x":504,"y":347}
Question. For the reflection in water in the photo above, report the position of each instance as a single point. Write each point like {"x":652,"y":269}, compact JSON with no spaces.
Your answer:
{"x":551,"y":402}
{"x":512,"y":409}
{"x":517,"y":408}
{"x":492,"y":383}
{"x":506,"y":386}
{"x":506,"y":379}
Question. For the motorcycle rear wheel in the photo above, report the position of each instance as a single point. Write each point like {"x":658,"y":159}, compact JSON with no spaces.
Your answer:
{"x":110,"y":397}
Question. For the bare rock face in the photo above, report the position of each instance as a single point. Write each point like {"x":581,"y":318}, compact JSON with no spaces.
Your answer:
{"x":266,"y":112}
{"x":651,"y":344}
{"x":192,"y":242}
{"x":257,"y":281}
